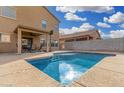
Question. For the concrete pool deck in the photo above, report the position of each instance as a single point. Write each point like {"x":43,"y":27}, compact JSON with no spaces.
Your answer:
{"x":109,"y":72}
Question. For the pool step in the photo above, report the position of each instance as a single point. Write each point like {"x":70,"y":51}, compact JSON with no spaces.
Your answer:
{"x":55,"y":58}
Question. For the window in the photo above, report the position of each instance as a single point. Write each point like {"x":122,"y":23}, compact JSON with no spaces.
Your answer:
{"x":8,"y":11}
{"x":4,"y":38}
{"x":54,"y":43}
{"x":44,"y":23}
{"x":56,"y":28}
{"x":24,"y":42}
{"x":43,"y":43}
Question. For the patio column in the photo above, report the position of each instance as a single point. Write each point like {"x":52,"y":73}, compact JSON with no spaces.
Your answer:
{"x":19,"y":41}
{"x":47,"y":42}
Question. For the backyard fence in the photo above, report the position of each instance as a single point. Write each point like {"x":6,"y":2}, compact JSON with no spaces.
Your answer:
{"x":113,"y":45}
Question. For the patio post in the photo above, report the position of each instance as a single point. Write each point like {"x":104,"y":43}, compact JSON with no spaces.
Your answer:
{"x":47,"y":42}
{"x":19,"y":41}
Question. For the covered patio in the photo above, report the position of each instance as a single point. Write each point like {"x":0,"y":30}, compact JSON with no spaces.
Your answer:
{"x":33,"y":36}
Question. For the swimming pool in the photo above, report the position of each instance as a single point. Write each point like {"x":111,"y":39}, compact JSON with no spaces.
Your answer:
{"x":67,"y":67}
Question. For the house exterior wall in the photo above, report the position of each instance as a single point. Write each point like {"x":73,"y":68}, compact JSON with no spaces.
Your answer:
{"x":9,"y":47}
{"x":31,"y":16}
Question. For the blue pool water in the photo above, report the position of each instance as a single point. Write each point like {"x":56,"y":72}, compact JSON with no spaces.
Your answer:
{"x":66,"y":67}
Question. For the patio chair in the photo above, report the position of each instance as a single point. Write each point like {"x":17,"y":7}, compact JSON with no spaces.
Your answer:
{"x":29,"y":48}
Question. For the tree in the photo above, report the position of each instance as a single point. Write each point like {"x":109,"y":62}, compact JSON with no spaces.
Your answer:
{"x":50,"y":33}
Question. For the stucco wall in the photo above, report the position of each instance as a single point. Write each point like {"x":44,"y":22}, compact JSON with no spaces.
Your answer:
{"x":9,"y":47}
{"x":28,"y":16}
{"x":115,"y":45}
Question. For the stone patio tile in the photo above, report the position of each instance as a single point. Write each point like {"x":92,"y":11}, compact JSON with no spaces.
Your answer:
{"x":11,"y":57}
{"x":30,"y":77}
{"x":98,"y":77}
{"x":112,"y":66}
{"x":75,"y":84}
{"x":14,"y":67}
{"x":118,"y":59}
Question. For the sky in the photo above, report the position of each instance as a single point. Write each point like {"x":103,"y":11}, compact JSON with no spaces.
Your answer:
{"x":108,"y":20}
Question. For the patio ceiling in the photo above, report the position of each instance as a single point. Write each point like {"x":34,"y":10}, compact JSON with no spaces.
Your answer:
{"x":30,"y":29}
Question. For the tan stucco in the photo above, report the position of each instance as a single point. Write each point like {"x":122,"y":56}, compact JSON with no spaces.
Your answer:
{"x":30,"y":16}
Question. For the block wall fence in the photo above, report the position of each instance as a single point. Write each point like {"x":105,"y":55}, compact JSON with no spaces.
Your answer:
{"x":113,"y":45}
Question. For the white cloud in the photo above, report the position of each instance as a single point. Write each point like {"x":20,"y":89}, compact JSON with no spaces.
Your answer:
{"x":73,"y":9}
{"x":103,"y":25}
{"x":117,"y":33}
{"x":103,"y":35}
{"x":105,"y":19}
{"x":122,"y":25}
{"x":112,"y":34}
{"x":86,"y":26}
{"x":68,"y":31}
{"x":71,"y":16}
{"x":66,"y":9}
{"x":83,"y":27}
{"x":115,"y":18}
